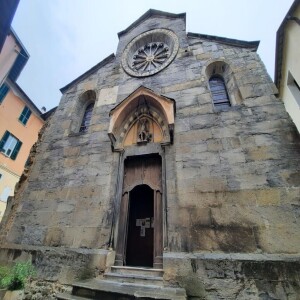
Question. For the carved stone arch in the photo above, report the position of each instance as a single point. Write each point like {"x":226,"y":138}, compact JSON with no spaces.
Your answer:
{"x":87,"y":96}
{"x":218,"y":67}
{"x":223,"y":69}
{"x":142,"y":104}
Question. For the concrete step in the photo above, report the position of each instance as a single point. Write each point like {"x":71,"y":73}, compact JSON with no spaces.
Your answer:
{"x":124,"y":277}
{"x":137,"y":271}
{"x":95,"y":288}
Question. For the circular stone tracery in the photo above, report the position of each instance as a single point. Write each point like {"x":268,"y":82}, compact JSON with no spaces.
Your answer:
{"x":150,"y":52}
{"x":150,"y":56}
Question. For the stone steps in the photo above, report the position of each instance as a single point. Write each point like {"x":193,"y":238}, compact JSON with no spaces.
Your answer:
{"x":125,"y":283}
{"x":137,"y":271}
{"x":135,"y":275}
{"x":133,"y":278}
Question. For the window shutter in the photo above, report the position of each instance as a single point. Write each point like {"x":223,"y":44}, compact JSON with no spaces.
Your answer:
{"x":16,"y":150}
{"x":218,"y":91}
{"x":22,"y":115}
{"x":3,"y":91}
{"x":28,"y":113}
{"x":25,"y":115}
{"x":3,"y":140}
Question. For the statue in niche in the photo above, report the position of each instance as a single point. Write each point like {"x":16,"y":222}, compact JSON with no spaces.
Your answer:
{"x":144,"y":135}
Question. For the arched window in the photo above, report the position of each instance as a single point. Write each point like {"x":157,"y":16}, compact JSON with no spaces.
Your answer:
{"x":218,"y":91}
{"x":86,"y":118}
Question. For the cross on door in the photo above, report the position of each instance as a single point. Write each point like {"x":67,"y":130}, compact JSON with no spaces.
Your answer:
{"x":144,"y":223}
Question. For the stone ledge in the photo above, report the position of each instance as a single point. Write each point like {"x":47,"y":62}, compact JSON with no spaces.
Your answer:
{"x":233,"y":256}
{"x":11,"y":246}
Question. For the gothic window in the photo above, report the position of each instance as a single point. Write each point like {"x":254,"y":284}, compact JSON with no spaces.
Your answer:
{"x":223,"y":86}
{"x":82,"y":112}
{"x":219,"y":92}
{"x":86,"y":118}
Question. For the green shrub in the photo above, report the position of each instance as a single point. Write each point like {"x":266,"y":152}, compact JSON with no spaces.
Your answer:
{"x":15,"y":278}
{"x":4,"y":271}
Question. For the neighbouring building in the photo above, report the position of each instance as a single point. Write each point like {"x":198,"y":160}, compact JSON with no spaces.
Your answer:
{"x":20,"y":119}
{"x":7,"y":11}
{"x":170,"y":170}
{"x":287,"y":62}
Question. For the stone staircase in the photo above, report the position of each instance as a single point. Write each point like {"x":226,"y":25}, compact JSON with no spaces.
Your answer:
{"x":125,"y":283}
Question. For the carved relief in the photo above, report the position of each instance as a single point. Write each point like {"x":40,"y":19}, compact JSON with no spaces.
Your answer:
{"x":143,"y":129}
{"x":144,"y":135}
{"x":143,"y":117}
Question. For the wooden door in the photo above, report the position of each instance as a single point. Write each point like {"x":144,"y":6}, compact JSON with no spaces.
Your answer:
{"x":140,"y":233}
{"x":141,"y":199}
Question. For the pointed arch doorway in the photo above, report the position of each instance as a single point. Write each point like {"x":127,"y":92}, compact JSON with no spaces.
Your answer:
{"x":140,"y":128}
{"x":140,"y":228}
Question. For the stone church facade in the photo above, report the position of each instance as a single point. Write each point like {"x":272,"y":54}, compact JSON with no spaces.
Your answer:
{"x":170,"y":170}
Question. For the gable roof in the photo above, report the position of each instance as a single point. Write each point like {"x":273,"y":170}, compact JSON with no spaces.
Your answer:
{"x":280,"y":42}
{"x":223,"y":40}
{"x":150,"y":13}
{"x":21,"y":59}
{"x":89,"y":72}
{"x":21,"y":94}
{"x":145,"y":16}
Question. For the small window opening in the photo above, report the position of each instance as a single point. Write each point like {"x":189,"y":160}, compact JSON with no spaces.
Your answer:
{"x":219,"y":92}
{"x":293,"y":87}
{"x":86,"y":120}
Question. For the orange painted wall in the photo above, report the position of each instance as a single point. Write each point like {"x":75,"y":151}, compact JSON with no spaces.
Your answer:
{"x":10,"y":110}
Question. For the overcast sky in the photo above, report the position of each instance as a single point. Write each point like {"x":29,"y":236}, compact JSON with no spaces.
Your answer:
{"x":65,"y":38}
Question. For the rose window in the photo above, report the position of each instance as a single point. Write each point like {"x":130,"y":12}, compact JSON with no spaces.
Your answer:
{"x":150,"y":56}
{"x":150,"y":52}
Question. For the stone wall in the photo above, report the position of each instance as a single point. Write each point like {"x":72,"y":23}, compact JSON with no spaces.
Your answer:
{"x":43,"y":290}
{"x":65,"y":265}
{"x":235,"y":276}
